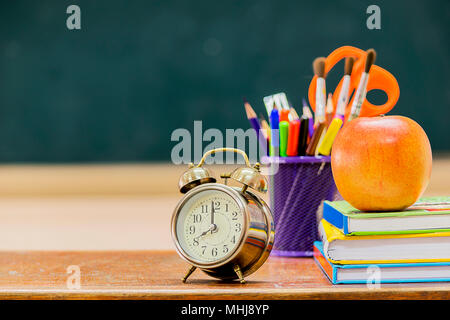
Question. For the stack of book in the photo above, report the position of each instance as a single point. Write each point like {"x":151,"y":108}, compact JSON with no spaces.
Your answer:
{"x":408,"y":246}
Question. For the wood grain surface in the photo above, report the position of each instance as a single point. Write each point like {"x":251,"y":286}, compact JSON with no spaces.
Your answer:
{"x":157,"y":274}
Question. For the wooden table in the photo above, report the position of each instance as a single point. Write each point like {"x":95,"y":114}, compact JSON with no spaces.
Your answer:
{"x":110,"y":220}
{"x":156,"y":275}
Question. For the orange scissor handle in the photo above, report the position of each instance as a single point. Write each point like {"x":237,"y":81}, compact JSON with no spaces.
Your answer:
{"x":379,"y":78}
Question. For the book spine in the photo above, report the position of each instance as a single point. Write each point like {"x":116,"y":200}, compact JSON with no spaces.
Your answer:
{"x":327,"y":268}
{"x":335,"y":217}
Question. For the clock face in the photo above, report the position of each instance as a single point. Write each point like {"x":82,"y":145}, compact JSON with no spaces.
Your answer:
{"x":209,"y":226}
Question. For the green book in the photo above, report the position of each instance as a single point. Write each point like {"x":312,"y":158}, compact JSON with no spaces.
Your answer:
{"x":428,"y":214}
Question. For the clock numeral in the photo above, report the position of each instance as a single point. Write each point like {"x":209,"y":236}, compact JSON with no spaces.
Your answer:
{"x":197,"y":218}
{"x":195,"y":242}
{"x":217,"y":205}
{"x":225,"y":248}
{"x":238,"y":227}
{"x":203,"y":249}
{"x":234,"y":214}
{"x":233,"y":240}
{"x":214,"y":252}
{"x":191,"y":229}
{"x":226,"y":207}
{"x":204,"y":208}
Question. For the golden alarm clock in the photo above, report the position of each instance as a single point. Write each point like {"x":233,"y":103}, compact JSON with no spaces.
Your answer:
{"x":225,"y":231}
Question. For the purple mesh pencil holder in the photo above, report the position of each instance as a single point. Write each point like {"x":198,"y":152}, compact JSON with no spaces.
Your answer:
{"x":297,"y":191}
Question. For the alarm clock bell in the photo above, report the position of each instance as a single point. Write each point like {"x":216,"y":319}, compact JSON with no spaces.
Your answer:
{"x":248,"y":176}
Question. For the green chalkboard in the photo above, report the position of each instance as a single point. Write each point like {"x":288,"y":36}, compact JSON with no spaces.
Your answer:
{"x":136,"y":70}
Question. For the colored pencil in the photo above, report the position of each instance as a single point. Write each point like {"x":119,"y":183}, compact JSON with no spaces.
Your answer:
{"x":264,"y":127}
{"x":307,"y":112}
{"x":253,"y":119}
{"x":330,"y":109}
{"x":312,"y":146}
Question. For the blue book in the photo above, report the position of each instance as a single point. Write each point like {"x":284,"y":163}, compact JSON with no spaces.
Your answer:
{"x":381,"y":273}
{"x":428,"y":214}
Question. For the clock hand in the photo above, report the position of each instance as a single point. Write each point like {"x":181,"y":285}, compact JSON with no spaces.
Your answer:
{"x":211,"y":228}
{"x":202,"y":234}
{"x":212,"y":212}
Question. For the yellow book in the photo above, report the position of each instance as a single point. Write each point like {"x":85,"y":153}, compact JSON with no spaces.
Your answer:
{"x":398,"y":248}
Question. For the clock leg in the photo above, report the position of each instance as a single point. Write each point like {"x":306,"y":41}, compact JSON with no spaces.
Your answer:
{"x":191,"y":269}
{"x":238,"y":271}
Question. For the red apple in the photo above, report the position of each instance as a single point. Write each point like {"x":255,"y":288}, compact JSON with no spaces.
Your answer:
{"x":381,"y":163}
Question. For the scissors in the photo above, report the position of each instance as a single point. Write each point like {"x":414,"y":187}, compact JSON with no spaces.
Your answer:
{"x":379,"y":79}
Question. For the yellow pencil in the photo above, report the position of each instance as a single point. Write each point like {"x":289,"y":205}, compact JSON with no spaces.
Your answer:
{"x":265,"y":128}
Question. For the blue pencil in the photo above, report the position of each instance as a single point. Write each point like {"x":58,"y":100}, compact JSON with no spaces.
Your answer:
{"x":308,"y":113}
{"x":251,"y":116}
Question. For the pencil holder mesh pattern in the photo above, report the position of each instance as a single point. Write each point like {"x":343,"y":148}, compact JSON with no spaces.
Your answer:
{"x":297,"y":191}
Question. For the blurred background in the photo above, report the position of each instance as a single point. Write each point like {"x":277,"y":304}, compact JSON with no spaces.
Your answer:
{"x":86,"y":116}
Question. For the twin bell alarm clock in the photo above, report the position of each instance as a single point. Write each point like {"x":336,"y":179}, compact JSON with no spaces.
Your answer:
{"x":227,"y":232}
